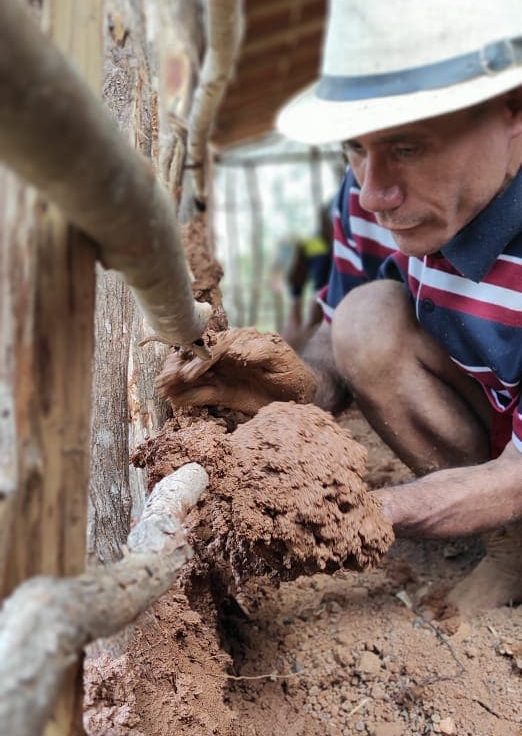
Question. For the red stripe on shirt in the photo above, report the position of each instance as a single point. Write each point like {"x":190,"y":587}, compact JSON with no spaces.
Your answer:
{"x":345,"y":266}
{"x":459,"y":303}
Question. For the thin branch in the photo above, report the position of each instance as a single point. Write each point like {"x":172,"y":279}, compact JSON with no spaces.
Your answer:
{"x":47,"y":621}
{"x":224,"y":35}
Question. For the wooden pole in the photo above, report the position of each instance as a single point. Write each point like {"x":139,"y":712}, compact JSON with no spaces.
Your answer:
{"x":256,"y":213}
{"x":316,"y":184}
{"x":46,"y":314}
{"x":233,"y":270}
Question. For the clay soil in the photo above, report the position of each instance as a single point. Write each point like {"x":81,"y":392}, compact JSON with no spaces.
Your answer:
{"x":348,"y":653}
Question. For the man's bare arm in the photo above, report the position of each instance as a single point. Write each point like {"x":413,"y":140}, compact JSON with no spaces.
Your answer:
{"x":332,"y":392}
{"x":457,"y":501}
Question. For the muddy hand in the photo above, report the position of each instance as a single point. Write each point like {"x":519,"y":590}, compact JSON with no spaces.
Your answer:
{"x":247,"y":370}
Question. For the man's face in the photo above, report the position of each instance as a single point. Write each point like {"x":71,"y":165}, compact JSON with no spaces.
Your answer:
{"x":425,"y":181}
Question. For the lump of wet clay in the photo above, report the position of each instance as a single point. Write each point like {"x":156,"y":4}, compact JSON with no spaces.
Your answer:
{"x":300,"y":505}
{"x":248,"y":370}
{"x":286,"y":496}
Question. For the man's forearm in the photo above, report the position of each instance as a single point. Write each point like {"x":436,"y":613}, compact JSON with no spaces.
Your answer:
{"x":332,"y":393}
{"x":457,"y":501}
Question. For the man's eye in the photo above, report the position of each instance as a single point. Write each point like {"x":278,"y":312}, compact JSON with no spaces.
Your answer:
{"x":406,"y":151}
{"x":353,"y":149}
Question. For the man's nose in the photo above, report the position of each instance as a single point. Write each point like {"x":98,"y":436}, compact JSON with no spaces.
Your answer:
{"x":379,"y":191}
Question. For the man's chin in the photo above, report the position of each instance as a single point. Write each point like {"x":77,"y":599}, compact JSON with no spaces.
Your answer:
{"x":414,"y":242}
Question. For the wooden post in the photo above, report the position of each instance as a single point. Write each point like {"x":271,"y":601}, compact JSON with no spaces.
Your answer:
{"x":146,"y":86}
{"x":257,"y":243}
{"x":316,"y":184}
{"x":233,"y":265}
{"x":47,"y":316}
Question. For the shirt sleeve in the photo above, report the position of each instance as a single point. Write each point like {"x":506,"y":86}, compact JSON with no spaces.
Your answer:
{"x":347,"y":268}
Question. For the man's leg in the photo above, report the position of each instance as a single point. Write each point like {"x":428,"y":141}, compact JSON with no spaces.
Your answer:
{"x":426,"y":409}
{"x":497,"y":579}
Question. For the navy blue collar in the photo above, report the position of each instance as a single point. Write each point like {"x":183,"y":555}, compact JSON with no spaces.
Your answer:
{"x":474,"y":249}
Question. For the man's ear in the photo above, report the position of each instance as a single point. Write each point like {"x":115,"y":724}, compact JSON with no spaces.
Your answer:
{"x":513,"y":101}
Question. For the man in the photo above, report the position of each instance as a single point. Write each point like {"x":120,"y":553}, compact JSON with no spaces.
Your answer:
{"x":427,"y":99}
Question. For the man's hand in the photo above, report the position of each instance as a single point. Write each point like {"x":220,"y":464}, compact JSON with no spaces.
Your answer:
{"x":457,"y":501}
{"x":247,"y":370}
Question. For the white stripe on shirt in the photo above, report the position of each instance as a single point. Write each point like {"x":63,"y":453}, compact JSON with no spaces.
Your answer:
{"x":454,"y":284}
{"x":373,"y":231}
{"x":345,"y":253}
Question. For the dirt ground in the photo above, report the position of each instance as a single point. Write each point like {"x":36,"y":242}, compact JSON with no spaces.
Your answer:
{"x":333,"y":655}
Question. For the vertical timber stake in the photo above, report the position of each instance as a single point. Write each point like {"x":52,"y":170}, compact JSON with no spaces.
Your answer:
{"x":47,"y":310}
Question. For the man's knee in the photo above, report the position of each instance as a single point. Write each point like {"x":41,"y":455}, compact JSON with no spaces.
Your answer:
{"x":369,"y":328}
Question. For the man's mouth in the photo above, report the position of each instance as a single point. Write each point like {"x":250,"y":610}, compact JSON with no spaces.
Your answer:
{"x":400,"y":228}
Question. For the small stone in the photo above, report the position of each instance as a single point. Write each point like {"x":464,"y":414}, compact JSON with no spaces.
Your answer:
{"x":447,"y":726}
{"x":345,"y":640}
{"x":378,"y":692}
{"x":464,"y":631}
{"x":359,"y":726}
{"x":342,"y":656}
{"x":369,"y":663}
{"x":332,"y":729}
{"x":387,"y":729}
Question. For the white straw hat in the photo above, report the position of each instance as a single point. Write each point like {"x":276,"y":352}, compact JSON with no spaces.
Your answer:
{"x":391,"y":62}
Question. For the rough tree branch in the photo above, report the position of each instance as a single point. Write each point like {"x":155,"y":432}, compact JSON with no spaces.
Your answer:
{"x":47,"y":621}
{"x":56,"y":134}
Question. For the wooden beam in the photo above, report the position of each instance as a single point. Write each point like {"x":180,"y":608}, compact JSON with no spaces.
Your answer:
{"x":290,"y":17}
{"x":262,"y":9}
{"x":281,"y":39}
{"x":297,"y":157}
{"x":263,"y":77}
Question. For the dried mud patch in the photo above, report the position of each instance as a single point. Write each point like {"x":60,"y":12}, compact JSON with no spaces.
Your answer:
{"x":166,"y":677}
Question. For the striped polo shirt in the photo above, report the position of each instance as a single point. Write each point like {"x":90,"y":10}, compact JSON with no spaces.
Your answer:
{"x":468,"y":295}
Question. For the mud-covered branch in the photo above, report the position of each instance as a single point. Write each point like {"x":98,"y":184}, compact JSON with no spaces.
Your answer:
{"x":224,"y":31}
{"x":47,"y":621}
{"x":56,"y":134}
